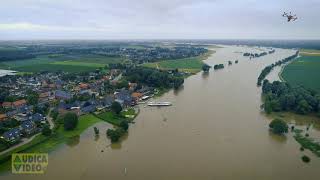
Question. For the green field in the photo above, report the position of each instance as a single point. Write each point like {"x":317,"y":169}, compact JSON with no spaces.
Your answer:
{"x":192,"y":65}
{"x":303,"y":71}
{"x":57,"y":62}
{"x":310,"y":50}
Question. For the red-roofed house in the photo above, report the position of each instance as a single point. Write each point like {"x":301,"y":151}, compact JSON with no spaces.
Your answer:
{"x":7,"y":104}
{"x":84,"y":86}
{"x":136,"y":96}
{"x":19,"y":103}
{"x":3,"y":117}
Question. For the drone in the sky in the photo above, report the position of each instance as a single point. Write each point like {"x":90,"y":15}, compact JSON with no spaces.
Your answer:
{"x":289,"y":16}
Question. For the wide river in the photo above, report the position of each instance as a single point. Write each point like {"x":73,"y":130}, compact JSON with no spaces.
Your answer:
{"x":214,"y":130}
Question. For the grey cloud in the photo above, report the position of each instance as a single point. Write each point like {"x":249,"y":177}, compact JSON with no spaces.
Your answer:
{"x":158,"y":18}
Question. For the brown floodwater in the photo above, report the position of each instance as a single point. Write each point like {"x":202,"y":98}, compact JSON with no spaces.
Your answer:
{"x":214,"y":130}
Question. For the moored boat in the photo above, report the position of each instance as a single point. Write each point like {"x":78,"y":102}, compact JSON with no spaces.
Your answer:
{"x":159,"y":104}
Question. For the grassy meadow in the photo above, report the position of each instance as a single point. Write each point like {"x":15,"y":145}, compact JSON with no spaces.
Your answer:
{"x":192,"y":65}
{"x":303,"y":71}
{"x":310,"y":52}
{"x":60,"y":62}
{"x":110,"y":117}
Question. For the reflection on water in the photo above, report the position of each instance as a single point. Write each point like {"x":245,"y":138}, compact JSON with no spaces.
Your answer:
{"x":278,"y":138}
{"x":96,"y":137}
{"x":118,"y":145}
{"x":205,"y":75}
{"x":177,"y":91}
{"x":73,"y":141}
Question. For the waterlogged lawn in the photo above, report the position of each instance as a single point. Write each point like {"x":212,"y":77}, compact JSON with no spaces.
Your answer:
{"x":303,"y":71}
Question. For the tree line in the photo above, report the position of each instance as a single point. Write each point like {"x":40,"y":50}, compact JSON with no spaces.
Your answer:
{"x":269,"y":68}
{"x":280,"y":96}
{"x":9,"y":55}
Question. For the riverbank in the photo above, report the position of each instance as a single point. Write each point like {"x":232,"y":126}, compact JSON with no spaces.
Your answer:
{"x":300,"y":72}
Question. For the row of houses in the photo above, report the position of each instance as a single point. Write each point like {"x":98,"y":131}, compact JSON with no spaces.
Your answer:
{"x":125,"y":98}
{"x":27,"y":128}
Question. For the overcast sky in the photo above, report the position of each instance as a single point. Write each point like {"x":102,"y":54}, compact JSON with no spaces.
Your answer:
{"x":158,"y":19}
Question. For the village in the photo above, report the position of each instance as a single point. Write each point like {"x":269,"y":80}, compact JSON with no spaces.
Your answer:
{"x":31,"y":101}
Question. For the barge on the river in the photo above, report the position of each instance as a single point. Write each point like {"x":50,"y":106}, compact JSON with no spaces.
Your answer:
{"x":159,"y":104}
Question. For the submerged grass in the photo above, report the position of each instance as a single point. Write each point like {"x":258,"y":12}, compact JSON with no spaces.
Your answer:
{"x":307,"y":143}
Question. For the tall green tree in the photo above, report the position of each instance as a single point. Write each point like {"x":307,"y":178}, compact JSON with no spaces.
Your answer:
{"x":70,"y":121}
{"x":116,"y":107}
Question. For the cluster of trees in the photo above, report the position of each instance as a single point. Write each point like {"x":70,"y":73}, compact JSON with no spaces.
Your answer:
{"x":206,"y":67}
{"x":42,"y":109}
{"x":8,"y":124}
{"x":32,"y":97}
{"x":255,"y":54}
{"x":269,"y":68}
{"x":153,"y":77}
{"x":278,"y":126}
{"x":280,"y":96}
{"x":117,"y":133}
{"x":80,"y":97}
{"x":218,"y":66}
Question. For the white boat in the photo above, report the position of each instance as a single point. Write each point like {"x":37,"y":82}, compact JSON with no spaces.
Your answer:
{"x":145,"y":97}
{"x":159,"y":104}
